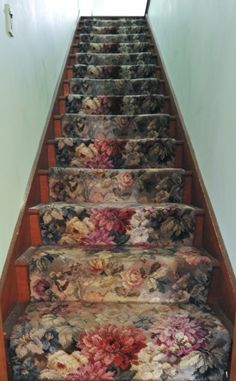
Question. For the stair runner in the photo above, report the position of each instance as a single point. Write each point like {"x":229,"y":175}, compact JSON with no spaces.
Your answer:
{"x":118,"y":290}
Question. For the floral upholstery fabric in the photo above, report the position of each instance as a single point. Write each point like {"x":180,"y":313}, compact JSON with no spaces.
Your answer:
{"x":113,"y":48}
{"x":76,"y":341}
{"x":114,"y":29}
{"x":114,"y":86}
{"x":110,"y":105}
{"x":132,"y":153}
{"x":159,"y":275}
{"x":105,"y":185}
{"x":134,"y":224}
{"x":114,"y":38}
{"x":114,"y":71}
{"x":115,"y":126}
{"x":115,"y":22}
{"x":115,"y":59}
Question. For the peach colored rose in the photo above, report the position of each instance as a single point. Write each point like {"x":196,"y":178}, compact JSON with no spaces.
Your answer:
{"x":125,"y":180}
{"x":76,"y":230}
{"x":96,"y":197}
{"x":131,"y":278}
{"x":98,"y":265}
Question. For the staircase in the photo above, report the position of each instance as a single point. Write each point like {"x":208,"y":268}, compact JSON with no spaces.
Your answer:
{"x":115,"y":277}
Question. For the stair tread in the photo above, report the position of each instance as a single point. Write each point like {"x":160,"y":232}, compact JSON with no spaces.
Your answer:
{"x":93,"y":87}
{"x":76,"y":340}
{"x":110,"y":105}
{"x":111,"y":185}
{"x":113,"y":38}
{"x":93,"y":58}
{"x":114,"y":71}
{"x":121,"y":47}
{"x":158,"y":275}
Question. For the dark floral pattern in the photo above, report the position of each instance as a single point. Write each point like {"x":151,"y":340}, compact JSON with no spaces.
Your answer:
{"x":114,"y":71}
{"x":114,"y":38}
{"x":112,"y":29}
{"x":102,"y":127}
{"x":72,"y":341}
{"x":114,"y":22}
{"x":132,"y":153}
{"x":120,"y":275}
{"x":113,"y":48}
{"x":115,"y":59}
{"x":105,"y":185}
{"x":110,"y":105}
{"x":151,"y":225}
{"x":93,"y":87}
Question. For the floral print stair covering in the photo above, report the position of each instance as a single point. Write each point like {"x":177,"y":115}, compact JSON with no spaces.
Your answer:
{"x":70,"y":341}
{"x":114,"y":71}
{"x":118,"y":292}
{"x":110,"y":127}
{"x":116,"y":153}
{"x":114,"y":86}
{"x":115,"y":59}
{"x":164,"y":275}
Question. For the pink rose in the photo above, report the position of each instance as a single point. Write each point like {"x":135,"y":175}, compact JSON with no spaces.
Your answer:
{"x":132,"y":278}
{"x":125,"y":180}
{"x":96,"y":197}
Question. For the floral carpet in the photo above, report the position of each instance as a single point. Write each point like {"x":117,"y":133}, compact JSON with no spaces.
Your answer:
{"x":118,"y":292}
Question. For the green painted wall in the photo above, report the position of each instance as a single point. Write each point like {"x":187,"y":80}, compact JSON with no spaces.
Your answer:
{"x":30,"y":64}
{"x":197,"y":41}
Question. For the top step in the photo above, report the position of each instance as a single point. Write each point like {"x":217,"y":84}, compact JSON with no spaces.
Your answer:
{"x":108,"y":22}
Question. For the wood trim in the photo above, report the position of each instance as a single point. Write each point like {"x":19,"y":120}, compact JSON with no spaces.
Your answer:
{"x":224,"y":295}
{"x":9,"y":294}
{"x":147,"y":6}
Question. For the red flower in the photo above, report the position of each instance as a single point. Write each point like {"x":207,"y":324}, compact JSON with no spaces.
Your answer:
{"x":112,"y":219}
{"x":98,"y":238}
{"x":41,"y":286}
{"x":111,"y":344}
{"x":109,"y":147}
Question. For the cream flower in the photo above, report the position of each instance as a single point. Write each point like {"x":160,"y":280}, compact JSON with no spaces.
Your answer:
{"x":64,"y":363}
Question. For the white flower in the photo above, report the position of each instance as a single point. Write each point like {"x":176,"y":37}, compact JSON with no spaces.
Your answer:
{"x":64,"y":363}
{"x":140,"y":235}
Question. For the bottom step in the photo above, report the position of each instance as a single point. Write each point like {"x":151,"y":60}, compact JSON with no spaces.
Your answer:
{"x":74,"y":341}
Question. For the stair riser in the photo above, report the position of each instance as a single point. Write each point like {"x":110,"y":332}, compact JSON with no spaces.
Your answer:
{"x":112,"y":127}
{"x":113,"y":59}
{"x":112,"y":48}
{"x":112,"y":30}
{"x":113,"y":154}
{"x":113,"y":71}
{"x":94,"y":87}
{"x":87,"y":187}
{"x":115,"y":106}
{"x":109,"y":226}
{"x":112,"y":38}
{"x":106,"y":276}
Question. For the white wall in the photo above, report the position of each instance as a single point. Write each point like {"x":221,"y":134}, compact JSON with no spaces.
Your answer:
{"x":30,"y":64}
{"x":197,"y":41}
{"x":112,"y":8}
